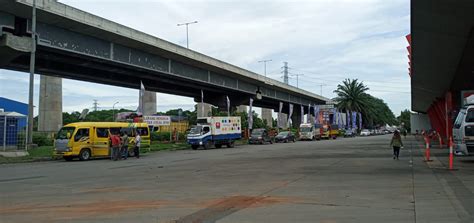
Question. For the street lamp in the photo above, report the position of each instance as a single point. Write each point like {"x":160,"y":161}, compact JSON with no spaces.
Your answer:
{"x":187,"y":32}
{"x":32,"y":76}
{"x":264,"y":65}
{"x":180,"y":111}
{"x":113,"y":111}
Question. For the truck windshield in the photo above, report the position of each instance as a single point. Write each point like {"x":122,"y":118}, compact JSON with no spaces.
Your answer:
{"x":305,"y":129}
{"x":62,"y":134}
{"x":470,"y":115}
{"x":195,"y":130}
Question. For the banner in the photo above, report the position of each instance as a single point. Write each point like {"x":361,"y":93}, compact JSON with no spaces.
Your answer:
{"x":140,"y":98}
{"x":316,"y":114}
{"x":250,"y":114}
{"x":308,"y":117}
{"x":279,"y":115}
{"x":354,"y":119}
{"x":154,"y":120}
{"x":302,"y":114}
{"x":228,"y":106}
{"x":348,"y":119}
{"x":341,"y":121}
{"x":289,"y":116}
{"x":360,"y":120}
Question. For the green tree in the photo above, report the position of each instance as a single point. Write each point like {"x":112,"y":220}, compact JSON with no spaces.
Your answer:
{"x":404,"y":118}
{"x":351,"y":95}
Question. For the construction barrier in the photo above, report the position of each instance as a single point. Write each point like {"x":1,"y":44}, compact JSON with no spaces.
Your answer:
{"x":427,"y":150}
{"x":451,"y":155}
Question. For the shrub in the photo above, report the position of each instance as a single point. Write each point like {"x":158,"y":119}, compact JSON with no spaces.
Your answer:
{"x":42,"y":139}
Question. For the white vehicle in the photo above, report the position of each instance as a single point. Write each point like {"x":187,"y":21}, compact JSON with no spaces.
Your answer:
{"x":309,"y":131}
{"x":215,"y":131}
{"x":463,"y":129}
{"x":365,"y":132}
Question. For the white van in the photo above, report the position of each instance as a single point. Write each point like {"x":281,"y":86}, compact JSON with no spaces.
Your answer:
{"x":463,"y":129}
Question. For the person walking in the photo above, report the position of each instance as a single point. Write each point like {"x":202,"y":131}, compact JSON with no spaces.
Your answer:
{"x":115,"y":146}
{"x":136,"y":149}
{"x":124,"y":149}
{"x":396,"y":143}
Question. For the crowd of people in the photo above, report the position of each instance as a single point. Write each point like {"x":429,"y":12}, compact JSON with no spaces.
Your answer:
{"x":120,"y":144}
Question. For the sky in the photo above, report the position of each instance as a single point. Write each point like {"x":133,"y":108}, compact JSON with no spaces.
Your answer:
{"x":323,"y":41}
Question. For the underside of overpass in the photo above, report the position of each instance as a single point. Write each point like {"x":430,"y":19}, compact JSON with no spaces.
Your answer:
{"x":442,"y":59}
{"x":78,"y":45}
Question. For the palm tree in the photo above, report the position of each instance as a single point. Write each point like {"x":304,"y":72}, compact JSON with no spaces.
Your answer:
{"x":351,"y":96}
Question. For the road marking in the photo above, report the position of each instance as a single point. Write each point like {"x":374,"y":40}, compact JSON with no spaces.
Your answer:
{"x":20,"y":178}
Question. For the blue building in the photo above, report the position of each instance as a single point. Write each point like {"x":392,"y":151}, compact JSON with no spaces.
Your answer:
{"x":9,"y":105}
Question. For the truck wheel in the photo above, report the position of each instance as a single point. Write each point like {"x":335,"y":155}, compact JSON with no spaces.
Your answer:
{"x":218,"y":146}
{"x":85,"y":154}
{"x":230,"y":145}
{"x":207,"y":145}
{"x":194,"y":147}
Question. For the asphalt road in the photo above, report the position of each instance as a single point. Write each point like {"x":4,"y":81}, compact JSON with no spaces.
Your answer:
{"x":343,"y":180}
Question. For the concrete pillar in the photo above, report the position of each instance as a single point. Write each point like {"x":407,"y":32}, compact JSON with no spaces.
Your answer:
{"x":267,"y":115}
{"x":242,"y":108}
{"x":204,"y":113}
{"x":149,"y":103}
{"x":50,"y":109}
{"x":296,"y":117}
{"x":283,"y":120}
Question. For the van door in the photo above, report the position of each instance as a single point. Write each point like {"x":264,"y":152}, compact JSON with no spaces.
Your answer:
{"x":101,"y":142}
{"x":82,"y":140}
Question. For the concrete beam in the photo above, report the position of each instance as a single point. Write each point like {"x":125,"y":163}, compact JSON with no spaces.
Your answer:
{"x":50,"y":116}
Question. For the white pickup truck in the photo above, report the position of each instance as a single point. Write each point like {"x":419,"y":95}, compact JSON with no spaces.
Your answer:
{"x":463,"y":128}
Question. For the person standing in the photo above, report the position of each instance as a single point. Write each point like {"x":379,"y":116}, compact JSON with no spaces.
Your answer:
{"x":396,"y":143}
{"x":124,"y":149}
{"x":115,"y":146}
{"x":136,"y":149}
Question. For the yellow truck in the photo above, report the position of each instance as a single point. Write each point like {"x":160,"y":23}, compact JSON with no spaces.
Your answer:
{"x":85,"y":140}
{"x":330,"y":131}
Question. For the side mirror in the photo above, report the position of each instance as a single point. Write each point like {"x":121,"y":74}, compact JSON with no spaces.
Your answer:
{"x":68,"y":135}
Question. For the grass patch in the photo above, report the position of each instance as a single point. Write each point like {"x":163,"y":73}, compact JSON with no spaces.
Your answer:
{"x":160,"y":146}
{"x":41,"y":153}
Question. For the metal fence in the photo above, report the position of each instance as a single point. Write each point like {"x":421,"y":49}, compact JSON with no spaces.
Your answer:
{"x":12,"y":131}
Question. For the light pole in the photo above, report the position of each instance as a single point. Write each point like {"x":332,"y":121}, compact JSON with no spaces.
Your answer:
{"x":32,"y":76}
{"x":113,"y":111}
{"x":187,"y":32}
{"x":264,"y":65}
{"x":179,"y":123}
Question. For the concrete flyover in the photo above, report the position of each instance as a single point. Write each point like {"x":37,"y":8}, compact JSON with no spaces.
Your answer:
{"x":442,"y":59}
{"x":78,"y":45}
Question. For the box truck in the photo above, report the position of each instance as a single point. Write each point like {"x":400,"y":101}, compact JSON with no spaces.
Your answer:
{"x":215,"y":131}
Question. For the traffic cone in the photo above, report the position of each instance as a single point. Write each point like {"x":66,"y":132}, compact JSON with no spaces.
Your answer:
{"x":451,"y":155}
{"x":427,"y":150}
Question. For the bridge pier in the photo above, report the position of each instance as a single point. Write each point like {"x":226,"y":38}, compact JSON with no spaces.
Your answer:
{"x":207,"y":109}
{"x":267,"y":115}
{"x":50,"y":110}
{"x":149,"y":103}
{"x":241,"y":108}
{"x":296,"y":117}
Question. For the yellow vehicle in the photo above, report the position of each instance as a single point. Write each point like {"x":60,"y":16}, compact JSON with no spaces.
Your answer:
{"x":330,"y":131}
{"x":85,"y":140}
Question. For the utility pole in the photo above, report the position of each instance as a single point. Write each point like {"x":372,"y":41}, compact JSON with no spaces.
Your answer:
{"x":187,"y":32}
{"x":264,"y":65}
{"x":95,"y":104}
{"x":321,"y":85}
{"x":285,"y":72}
{"x":113,"y":111}
{"x":32,"y":76}
{"x":297,"y":77}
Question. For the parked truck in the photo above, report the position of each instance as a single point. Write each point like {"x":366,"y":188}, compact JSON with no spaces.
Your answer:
{"x":310,"y":131}
{"x":215,"y":131}
{"x":463,"y":128}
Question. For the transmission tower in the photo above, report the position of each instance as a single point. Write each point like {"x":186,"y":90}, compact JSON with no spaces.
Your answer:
{"x":95,"y":104}
{"x":285,"y":72}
